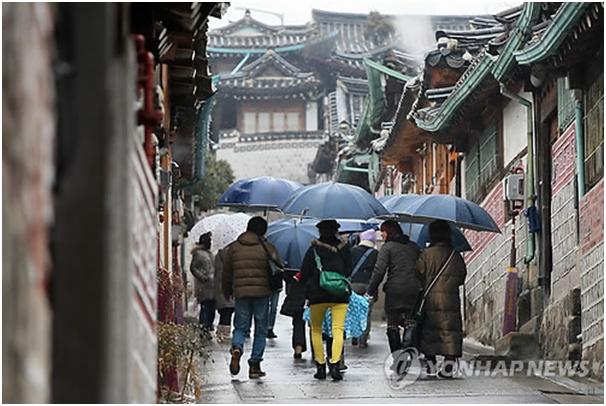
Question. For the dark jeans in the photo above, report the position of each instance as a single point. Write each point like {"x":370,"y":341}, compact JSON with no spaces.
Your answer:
{"x":273,"y":310}
{"x":225,"y":316}
{"x":207,"y":314}
{"x":246,"y":309}
{"x":298,"y":332}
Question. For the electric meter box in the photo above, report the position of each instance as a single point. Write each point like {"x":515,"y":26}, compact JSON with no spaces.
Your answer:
{"x":513,"y":187}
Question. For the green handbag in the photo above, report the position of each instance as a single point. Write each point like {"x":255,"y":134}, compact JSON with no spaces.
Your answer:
{"x":331,"y":281}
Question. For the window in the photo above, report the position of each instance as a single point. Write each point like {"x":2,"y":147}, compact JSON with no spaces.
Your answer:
{"x":594,"y":132}
{"x":279,"y":124}
{"x":482,"y":163}
{"x":263,"y":123}
{"x":250,"y":123}
{"x":292,"y":122}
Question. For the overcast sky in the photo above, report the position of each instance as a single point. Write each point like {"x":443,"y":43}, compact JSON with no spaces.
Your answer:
{"x":299,"y":11}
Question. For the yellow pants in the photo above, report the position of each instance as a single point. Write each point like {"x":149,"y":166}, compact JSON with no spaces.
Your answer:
{"x":338,"y":327}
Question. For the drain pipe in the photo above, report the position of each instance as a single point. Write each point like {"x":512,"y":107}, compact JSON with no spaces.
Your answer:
{"x":579,"y":136}
{"x":530,"y":190}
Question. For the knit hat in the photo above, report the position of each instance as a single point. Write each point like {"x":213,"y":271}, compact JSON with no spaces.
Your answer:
{"x":368,"y":235}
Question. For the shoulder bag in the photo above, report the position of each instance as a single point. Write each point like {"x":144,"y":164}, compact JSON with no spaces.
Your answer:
{"x":275,"y":273}
{"x":332,"y":281}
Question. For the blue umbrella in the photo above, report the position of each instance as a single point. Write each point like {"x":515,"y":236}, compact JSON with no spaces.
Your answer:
{"x":291,"y":237}
{"x":397,"y":203}
{"x":462,"y":213}
{"x":263,"y":192}
{"x":419,"y":233}
{"x":332,"y":200}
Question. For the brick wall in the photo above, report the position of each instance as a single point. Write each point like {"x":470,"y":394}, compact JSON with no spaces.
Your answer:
{"x":143,"y":341}
{"x":592,"y":273}
{"x":28,"y":136}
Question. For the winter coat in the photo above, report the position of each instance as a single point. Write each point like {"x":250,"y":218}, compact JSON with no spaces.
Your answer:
{"x":442,"y":331}
{"x":335,"y":256}
{"x":398,"y":259}
{"x":220,"y":301}
{"x":245,"y":268}
{"x":294,"y":302}
{"x":365,"y":272}
{"x":203,"y":269}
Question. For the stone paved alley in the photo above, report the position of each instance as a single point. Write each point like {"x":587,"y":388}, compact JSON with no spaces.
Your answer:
{"x":290,"y":381}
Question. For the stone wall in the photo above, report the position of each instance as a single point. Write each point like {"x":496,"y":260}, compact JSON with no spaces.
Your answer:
{"x":592,"y":274}
{"x":28,"y":135}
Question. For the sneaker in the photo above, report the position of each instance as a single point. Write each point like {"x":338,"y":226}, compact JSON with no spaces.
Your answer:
{"x":234,"y":364}
{"x":271,"y":334}
{"x":254,"y":371}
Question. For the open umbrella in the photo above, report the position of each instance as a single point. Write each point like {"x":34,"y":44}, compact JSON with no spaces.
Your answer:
{"x":397,"y":203}
{"x":225,"y":228}
{"x":263,"y":192}
{"x":331,"y":200}
{"x":461,"y":212}
{"x":291,"y":237}
{"x":419,"y":233}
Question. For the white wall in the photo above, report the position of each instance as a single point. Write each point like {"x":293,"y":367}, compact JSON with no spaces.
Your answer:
{"x":515,"y":132}
{"x":311,"y":116}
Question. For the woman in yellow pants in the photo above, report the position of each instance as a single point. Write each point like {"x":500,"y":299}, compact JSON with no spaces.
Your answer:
{"x":335,"y":256}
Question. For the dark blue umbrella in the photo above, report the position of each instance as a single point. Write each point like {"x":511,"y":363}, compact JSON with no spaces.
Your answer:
{"x":263,"y":192}
{"x":332,"y":200}
{"x":461,"y":212}
{"x":397,"y":203}
{"x":291,"y":238}
{"x":419,"y":233}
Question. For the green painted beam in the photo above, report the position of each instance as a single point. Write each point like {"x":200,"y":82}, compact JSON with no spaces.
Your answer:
{"x":388,"y":71}
{"x":552,"y":38}
{"x":529,"y":16}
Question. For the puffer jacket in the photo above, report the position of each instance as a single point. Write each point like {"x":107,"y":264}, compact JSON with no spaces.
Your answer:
{"x":220,"y":301}
{"x":442,"y":332}
{"x":398,"y":259}
{"x":335,"y":256}
{"x":245,"y":268}
{"x":203,"y":268}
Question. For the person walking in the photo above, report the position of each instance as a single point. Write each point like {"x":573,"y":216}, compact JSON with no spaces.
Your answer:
{"x":442,"y":270}
{"x":203,"y":269}
{"x":398,"y":258}
{"x":364,"y":258}
{"x":224,"y":307}
{"x":273,"y":312}
{"x":293,"y":306}
{"x":329,"y":253}
{"x":246,"y":278}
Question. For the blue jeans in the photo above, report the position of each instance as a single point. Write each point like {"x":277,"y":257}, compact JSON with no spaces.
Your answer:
{"x":273,"y":309}
{"x":246,"y":309}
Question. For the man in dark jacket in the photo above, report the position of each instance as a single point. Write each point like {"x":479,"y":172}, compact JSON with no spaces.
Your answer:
{"x":246,"y":278}
{"x":364,"y":257}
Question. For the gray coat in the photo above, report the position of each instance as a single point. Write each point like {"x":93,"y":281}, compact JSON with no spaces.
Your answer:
{"x":203,"y":268}
{"x":442,"y":332}
{"x":220,"y":301}
{"x":398,"y":259}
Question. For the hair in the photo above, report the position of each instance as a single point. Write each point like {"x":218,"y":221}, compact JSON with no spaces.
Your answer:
{"x":439,"y":232}
{"x":205,"y":240}
{"x":393,"y":230}
{"x":257,"y":225}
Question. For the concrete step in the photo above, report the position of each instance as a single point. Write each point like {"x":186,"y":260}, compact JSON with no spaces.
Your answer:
{"x":518,"y":346}
{"x":531,"y":326}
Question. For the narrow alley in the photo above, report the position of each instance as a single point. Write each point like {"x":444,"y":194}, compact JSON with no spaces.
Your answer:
{"x":290,"y":381}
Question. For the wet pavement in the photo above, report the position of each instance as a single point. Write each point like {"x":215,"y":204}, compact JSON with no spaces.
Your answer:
{"x":291,"y":381}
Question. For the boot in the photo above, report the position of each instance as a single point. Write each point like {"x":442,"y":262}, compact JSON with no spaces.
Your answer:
{"x":271,"y":334}
{"x":298,"y":354}
{"x":320,"y":371}
{"x":234,"y":364}
{"x":254,"y":370}
{"x":335,"y":373}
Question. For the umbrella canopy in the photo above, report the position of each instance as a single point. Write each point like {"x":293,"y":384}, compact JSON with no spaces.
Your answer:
{"x":225,"y":228}
{"x":419,"y":233}
{"x":331,"y":200}
{"x":461,"y":212}
{"x":291,"y":237}
{"x":398,"y":203}
{"x":263,"y":192}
